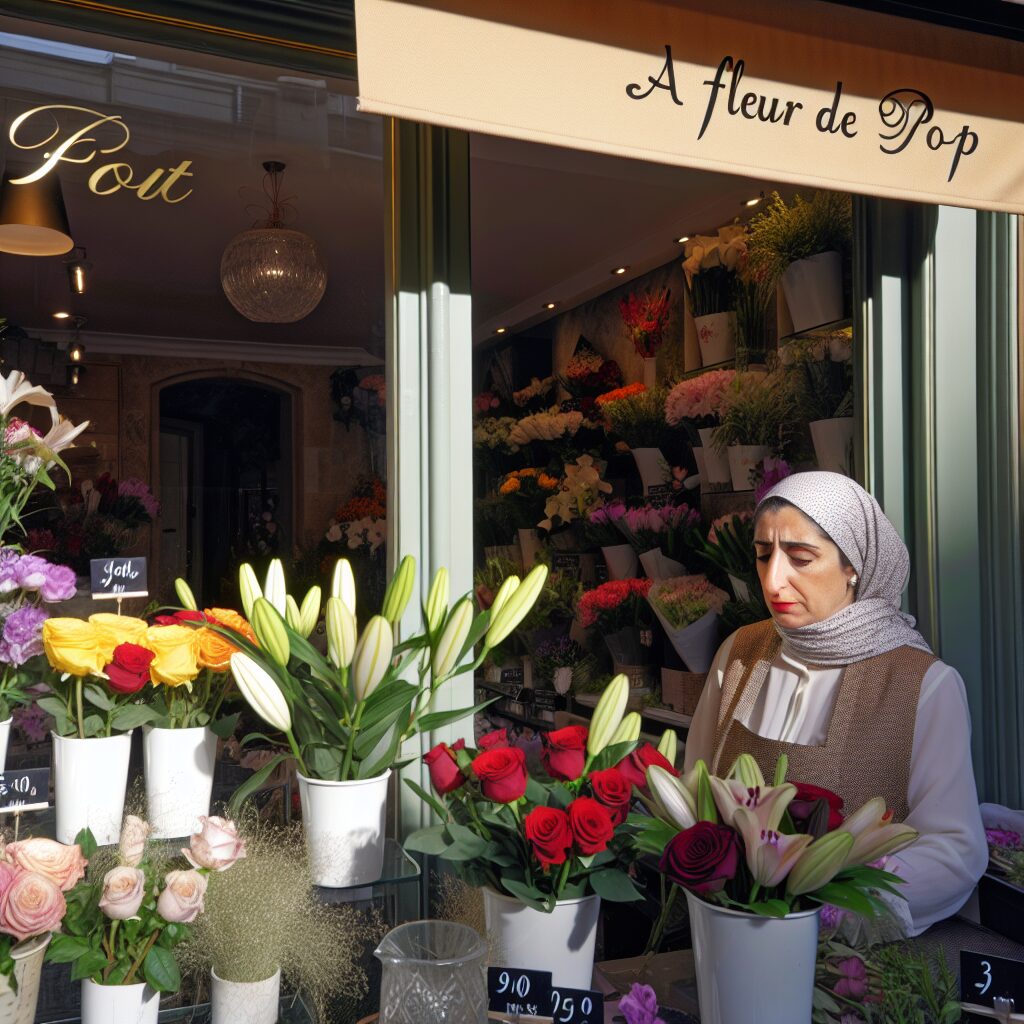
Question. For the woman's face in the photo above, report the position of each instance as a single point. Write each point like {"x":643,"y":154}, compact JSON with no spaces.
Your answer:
{"x":802,"y":574}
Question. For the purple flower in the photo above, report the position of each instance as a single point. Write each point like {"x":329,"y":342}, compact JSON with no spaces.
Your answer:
{"x":1003,"y":837}
{"x":33,"y":722}
{"x":9,"y":559}
{"x":59,"y":584}
{"x":139,"y":490}
{"x":830,"y":916}
{"x":30,"y":571}
{"x":853,"y":978}
{"x":640,"y":1006}
{"x":772,"y":471}
{"x":23,"y":635}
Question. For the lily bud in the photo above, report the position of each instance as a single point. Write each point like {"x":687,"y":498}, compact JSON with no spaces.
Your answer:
{"x":628,"y":730}
{"x":270,"y":631}
{"x":781,"y":767}
{"x":746,"y":770}
{"x":261,"y":692}
{"x":874,"y":833}
{"x":608,"y":714}
{"x":819,"y":863}
{"x":274,"y":589}
{"x":341,"y":633}
{"x":509,"y":585}
{"x":672,"y":797}
{"x":373,"y":656}
{"x":450,"y":645}
{"x":517,"y":607}
{"x":396,"y":597}
{"x":291,"y":612}
{"x":437,"y":600}
{"x":249,"y":587}
{"x":309,"y":612}
{"x":668,"y":746}
{"x":343,"y":584}
{"x":185,"y":595}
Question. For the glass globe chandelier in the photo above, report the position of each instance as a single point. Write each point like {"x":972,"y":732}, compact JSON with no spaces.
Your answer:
{"x":273,"y":274}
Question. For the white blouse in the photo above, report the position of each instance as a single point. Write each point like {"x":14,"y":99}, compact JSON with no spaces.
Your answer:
{"x":942,"y":867}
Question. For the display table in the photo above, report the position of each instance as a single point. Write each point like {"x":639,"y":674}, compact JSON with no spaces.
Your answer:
{"x":293,"y":1011}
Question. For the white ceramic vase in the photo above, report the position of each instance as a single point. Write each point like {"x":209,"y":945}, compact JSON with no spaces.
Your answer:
{"x":20,"y":1007}
{"x":344,"y":826}
{"x":658,"y":566}
{"x":179,"y":767}
{"x":696,"y":643}
{"x":743,"y":460}
{"x":778,"y":958}
{"x":561,"y":942}
{"x":716,"y":335}
{"x":833,"y":444}
{"x":90,"y":778}
{"x":245,"y":1002}
{"x":119,"y":1004}
{"x":621,"y":561}
{"x":715,"y":462}
{"x":652,"y":467}
{"x":814,"y":290}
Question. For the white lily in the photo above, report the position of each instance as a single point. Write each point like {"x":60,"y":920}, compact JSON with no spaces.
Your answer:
{"x":874,"y":833}
{"x":770,"y":855}
{"x":249,"y":587}
{"x":668,"y":746}
{"x":274,"y":589}
{"x":343,"y":584}
{"x":15,"y":388}
{"x":672,"y":798}
{"x":509,"y":585}
{"x":628,"y":730}
{"x":437,"y":600}
{"x":452,"y":640}
{"x":261,"y":692}
{"x":372,"y":657}
{"x":341,"y":633}
{"x":768,"y":803}
{"x":60,"y":436}
{"x":309,"y":612}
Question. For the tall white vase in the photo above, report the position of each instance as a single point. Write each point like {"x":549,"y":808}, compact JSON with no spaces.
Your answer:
{"x":652,"y":467}
{"x":90,"y":778}
{"x":716,"y":463}
{"x":245,"y":1002}
{"x":531,"y":547}
{"x":716,"y":335}
{"x":658,"y":566}
{"x":344,"y":825}
{"x":119,"y":1004}
{"x":833,"y":444}
{"x":743,"y":460}
{"x":814,"y":290}
{"x":561,"y":942}
{"x":20,"y":1007}
{"x":777,"y":957}
{"x":179,"y":767}
{"x":621,"y":561}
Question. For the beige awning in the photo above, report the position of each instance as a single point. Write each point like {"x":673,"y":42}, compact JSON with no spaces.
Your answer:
{"x":813,"y":94}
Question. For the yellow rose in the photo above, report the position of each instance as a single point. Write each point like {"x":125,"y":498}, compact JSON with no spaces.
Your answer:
{"x":73,"y":646}
{"x":113,"y":630}
{"x":177,"y":654}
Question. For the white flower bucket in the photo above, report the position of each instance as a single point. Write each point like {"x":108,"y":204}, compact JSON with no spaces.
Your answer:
{"x":20,"y":1007}
{"x":650,"y":372}
{"x":344,"y":825}
{"x":179,"y":767}
{"x":739,"y":588}
{"x":5,"y":735}
{"x":777,"y":956}
{"x":696,"y":643}
{"x":245,"y":1002}
{"x":716,"y":334}
{"x":652,"y":467}
{"x":716,"y":463}
{"x":531,"y":547}
{"x":621,"y":561}
{"x":743,"y":460}
{"x":561,"y":942}
{"x":833,"y":444}
{"x":658,"y":566}
{"x":90,"y":778}
{"x":119,"y":1004}
{"x":814,"y":290}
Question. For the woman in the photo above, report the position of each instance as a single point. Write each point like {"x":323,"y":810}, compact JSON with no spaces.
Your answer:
{"x":840,"y":681}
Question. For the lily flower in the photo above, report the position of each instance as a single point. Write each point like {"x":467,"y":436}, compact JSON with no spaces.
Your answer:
{"x":15,"y":388}
{"x":768,"y":803}
{"x":60,"y":436}
{"x":770,"y":855}
{"x":874,"y":833}
{"x":672,"y":799}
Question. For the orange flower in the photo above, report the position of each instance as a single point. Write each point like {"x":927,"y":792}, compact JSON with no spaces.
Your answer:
{"x":510,"y":486}
{"x":215,"y":650}
{"x":547,"y":483}
{"x":231,"y":620}
{"x":529,"y":471}
{"x":619,"y":393}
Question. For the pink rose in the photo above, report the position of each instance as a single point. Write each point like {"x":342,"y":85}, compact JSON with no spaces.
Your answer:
{"x":134,"y":833}
{"x":124,"y":888}
{"x":32,"y":905}
{"x":62,"y":864}
{"x":216,"y":846}
{"x":182,"y":901}
{"x":8,"y":873}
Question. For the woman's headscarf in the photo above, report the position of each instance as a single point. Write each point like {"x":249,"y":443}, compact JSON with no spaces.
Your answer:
{"x":873,"y":624}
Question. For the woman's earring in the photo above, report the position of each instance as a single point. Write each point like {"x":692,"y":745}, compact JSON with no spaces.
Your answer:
{"x":852,"y":582}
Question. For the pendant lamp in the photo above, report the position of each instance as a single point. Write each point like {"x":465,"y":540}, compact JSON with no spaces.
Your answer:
{"x":272,"y":274}
{"x":33,"y":221}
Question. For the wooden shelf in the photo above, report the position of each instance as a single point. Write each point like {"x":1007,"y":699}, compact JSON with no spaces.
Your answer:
{"x":655,"y":714}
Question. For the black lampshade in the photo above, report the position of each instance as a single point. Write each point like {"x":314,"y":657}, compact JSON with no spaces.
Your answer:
{"x":33,"y":221}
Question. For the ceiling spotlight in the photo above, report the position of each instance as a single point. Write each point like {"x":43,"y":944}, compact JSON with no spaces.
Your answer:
{"x":754,"y":201}
{"x":683,"y":239}
{"x":550,"y":305}
{"x":75,"y":375}
{"x":77,"y":265}
{"x":501,"y":330}
{"x":61,"y":315}
{"x":620,"y":270}
{"x":77,"y":352}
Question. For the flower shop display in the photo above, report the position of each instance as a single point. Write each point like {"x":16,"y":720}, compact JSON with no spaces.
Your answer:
{"x":524,"y":493}
{"x":620,"y":611}
{"x":710,"y":270}
{"x":579,"y":491}
{"x":602,"y":529}
{"x":550,"y":425}
{"x":729,"y":548}
{"x":127,"y":915}
{"x":754,"y":296}
{"x":345,"y":716}
{"x":660,"y":535}
{"x":825,"y":390}
{"x":535,"y":395}
{"x":698,"y":404}
{"x":755,"y":883}
{"x":636,"y":415}
{"x":545,"y":849}
{"x":646,"y":316}
{"x":358,"y":532}
{"x":588,"y":374}
{"x":557,"y":660}
{"x":803,"y":246}
{"x":35,"y":874}
{"x":688,"y":608}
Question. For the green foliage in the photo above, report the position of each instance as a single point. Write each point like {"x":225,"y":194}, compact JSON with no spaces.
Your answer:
{"x":639,"y":419}
{"x":712,"y":291}
{"x":762,"y":410}
{"x":753,"y":300}
{"x":824,"y":388}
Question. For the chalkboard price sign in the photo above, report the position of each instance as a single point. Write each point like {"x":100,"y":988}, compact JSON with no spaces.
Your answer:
{"x":515,"y":990}
{"x":112,"y":578}
{"x":983,"y":979}
{"x":27,"y":790}
{"x":576,"y":1006}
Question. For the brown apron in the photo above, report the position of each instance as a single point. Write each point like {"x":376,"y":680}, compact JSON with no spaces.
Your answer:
{"x":870,"y":735}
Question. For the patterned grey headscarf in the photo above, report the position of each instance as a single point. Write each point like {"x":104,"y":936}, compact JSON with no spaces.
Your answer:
{"x":873,"y":624}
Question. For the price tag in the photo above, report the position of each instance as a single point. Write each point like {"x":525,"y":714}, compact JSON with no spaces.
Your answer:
{"x":515,"y":990}
{"x":984,"y":978}
{"x":545,"y":700}
{"x":27,"y":790}
{"x":658,"y":490}
{"x":576,"y":1006}
{"x":567,"y":565}
{"x":116,"y":578}
{"x":512,"y":676}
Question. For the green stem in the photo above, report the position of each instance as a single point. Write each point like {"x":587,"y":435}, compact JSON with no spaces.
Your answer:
{"x":215,"y":710}
{"x":658,"y":932}
{"x":754,"y":891}
{"x":346,"y":766}
{"x":295,"y":751}
{"x":563,"y":877}
{"x":79,"y":686}
{"x":142,"y":956}
{"x":108,"y":942}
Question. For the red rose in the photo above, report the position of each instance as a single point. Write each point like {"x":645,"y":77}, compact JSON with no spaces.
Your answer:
{"x":702,"y":858}
{"x":129,"y":670}
{"x":493,"y":740}
{"x":614,"y":790}
{"x":445,"y":775}
{"x":502,"y":774}
{"x":807,"y":796}
{"x":635,"y":766}
{"x":565,"y":752}
{"x":591,"y":825}
{"x":179,"y":617}
{"x":548,"y":830}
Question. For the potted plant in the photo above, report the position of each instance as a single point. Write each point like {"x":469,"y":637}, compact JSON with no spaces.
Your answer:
{"x":622,"y":616}
{"x":688,"y":608}
{"x":698,"y":403}
{"x":710,"y":270}
{"x":755,"y":882}
{"x":825,"y":387}
{"x":34,"y":875}
{"x":556,"y":661}
{"x":545,"y":848}
{"x":636,"y":414}
{"x":646,"y":317}
{"x":805,"y":247}
{"x":345,"y":716}
{"x":525,"y":492}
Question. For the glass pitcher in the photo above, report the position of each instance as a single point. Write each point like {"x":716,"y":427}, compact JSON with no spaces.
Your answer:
{"x":434,"y":972}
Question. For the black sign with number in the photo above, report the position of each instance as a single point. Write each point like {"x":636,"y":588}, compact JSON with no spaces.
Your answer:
{"x":659,"y":490}
{"x":117,"y":577}
{"x":515,"y":990}
{"x":576,"y":1006}
{"x":511,"y":676}
{"x":984,"y":978}
{"x":27,"y":790}
{"x":546,"y":700}
{"x":567,"y":565}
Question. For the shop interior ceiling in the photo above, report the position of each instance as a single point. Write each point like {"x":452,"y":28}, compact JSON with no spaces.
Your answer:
{"x":549,"y":224}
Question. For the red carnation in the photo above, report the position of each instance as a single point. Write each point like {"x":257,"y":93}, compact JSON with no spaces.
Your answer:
{"x":445,"y":775}
{"x":635,"y":766}
{"x":493,"y":740}
{"x":614,"y":790}
{"x":565,"y":752}
{"x":129,"y":671}
{"x":502,"y":774}
{"x":591,"y":825}
{"x":547,"y":829}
